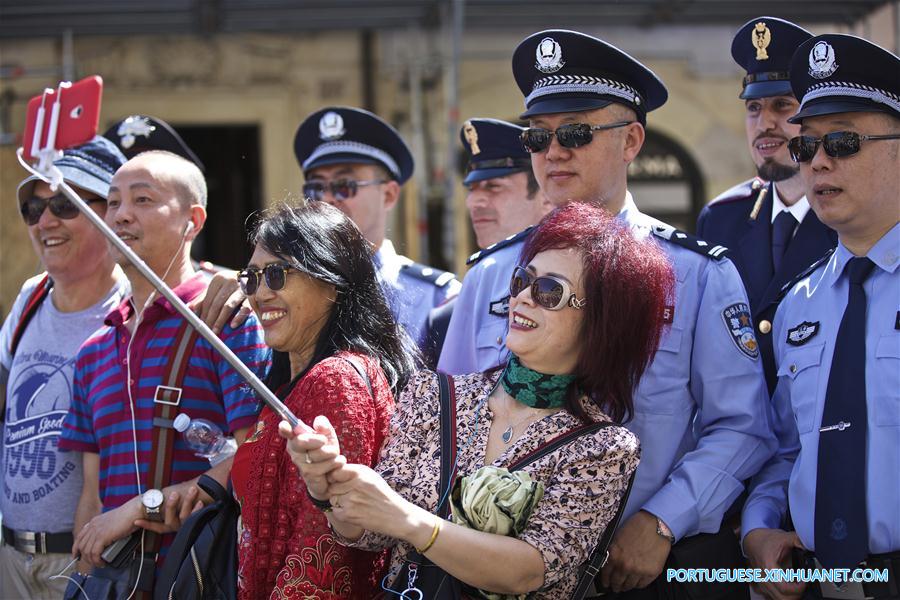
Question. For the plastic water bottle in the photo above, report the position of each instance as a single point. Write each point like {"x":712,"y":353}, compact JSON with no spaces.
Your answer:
{"x":205,"y":438}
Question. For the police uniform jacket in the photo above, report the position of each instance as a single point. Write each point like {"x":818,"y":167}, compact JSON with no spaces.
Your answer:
{"x":701,"y":408}
{"x":412,"y":290}
{"x":806,"y":327}
{"x":476,"y":336}
{"x":726,"y":221}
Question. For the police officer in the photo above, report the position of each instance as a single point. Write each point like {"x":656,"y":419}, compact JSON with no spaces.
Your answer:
{"x":504,"y":202}
{"x":357,"y":162}
{"x":837,"y":334}
{"x":701,"y":409}
{"x":503,"y":195}
{"x":765,"y":222}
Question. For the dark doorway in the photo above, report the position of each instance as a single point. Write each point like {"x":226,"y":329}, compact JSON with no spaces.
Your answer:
{"x":231,"y":155}
{"x":666,"y":182}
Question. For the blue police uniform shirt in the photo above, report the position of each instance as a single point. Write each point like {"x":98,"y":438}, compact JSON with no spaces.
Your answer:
{"x":727,"y":221}
{"x":411,"y":296}
{"x":476,"y":335}
{"x":701,"y":409}
{"x":806,"y":326}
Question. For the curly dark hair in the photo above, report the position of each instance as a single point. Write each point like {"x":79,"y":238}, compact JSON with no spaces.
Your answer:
{"x":321,"y":241}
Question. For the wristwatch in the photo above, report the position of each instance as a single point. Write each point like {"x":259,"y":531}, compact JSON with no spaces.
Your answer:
{"x":153,"y":503}
{"x":663,"y":530}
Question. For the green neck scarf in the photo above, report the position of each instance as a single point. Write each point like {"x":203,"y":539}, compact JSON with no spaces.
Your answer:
{"x":534,"y":389}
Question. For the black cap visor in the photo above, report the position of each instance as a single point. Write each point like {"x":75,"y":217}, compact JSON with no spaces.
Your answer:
{"x":348,"y":158}
{"x":563,"y":103}
{"x":766,"y":89}
{"x":483,"y":174}
{"x":834,"y":105}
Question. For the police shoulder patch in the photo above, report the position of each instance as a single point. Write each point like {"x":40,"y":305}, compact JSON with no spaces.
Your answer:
{"x":740,"y":327}
{"x":686,"y":240}
{"x":803,"y":274}
{"x":501,"y":244}
{"x":430,"y":274}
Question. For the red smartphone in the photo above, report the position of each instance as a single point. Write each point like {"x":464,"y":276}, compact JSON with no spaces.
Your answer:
{"x":77,"y":121}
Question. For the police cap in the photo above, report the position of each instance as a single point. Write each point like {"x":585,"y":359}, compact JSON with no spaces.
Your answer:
{"x":340,"y":134}
{"x":566,"y":71}
{"x":764,"y":47}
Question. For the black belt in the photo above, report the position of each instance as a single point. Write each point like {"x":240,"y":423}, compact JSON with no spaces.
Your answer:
{"x":38,"y":542}
{"x":869,"y":591}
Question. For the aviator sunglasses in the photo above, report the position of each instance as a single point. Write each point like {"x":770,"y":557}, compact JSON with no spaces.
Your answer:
{"x":837,"y":144}
{"x":275,"y":275}
{"x":341,"y":189}
{"x":573,"y":135}
{"x":60,"y":206}
{"x":547,"y":291}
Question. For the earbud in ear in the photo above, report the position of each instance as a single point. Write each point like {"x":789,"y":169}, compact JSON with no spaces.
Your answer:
{"x":189,"y":227}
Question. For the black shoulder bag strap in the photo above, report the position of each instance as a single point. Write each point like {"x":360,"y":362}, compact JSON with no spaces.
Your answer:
{"x":601,"y":552}
{"x":448,"y":443}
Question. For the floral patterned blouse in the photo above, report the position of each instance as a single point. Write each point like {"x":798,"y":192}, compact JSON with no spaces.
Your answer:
{"x":285,"y":547}
{"x":583,"y":480}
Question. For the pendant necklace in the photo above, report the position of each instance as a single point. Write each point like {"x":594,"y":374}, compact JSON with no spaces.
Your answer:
{"x":507,"y":434}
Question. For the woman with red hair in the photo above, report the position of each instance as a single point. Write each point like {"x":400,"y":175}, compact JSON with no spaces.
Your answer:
{"x":586,"y":311}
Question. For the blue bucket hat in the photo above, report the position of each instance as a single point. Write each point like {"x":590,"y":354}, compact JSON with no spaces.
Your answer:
{"x":90,"y":167}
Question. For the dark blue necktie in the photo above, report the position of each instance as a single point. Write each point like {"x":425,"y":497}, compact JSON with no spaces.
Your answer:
{"x":841,"y":530}
{"x":782,"y":231}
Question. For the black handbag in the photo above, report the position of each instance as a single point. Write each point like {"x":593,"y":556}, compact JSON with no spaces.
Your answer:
{"x":202,"y":562}
{"x":437,"y":584}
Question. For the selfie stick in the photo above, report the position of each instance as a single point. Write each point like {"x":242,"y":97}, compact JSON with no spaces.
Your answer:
{"x":52,"y":176}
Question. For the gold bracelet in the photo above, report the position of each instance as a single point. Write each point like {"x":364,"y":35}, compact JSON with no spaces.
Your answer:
{"x":434,"y":534}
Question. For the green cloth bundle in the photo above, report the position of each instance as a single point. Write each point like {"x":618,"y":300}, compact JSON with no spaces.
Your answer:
{"x":493,"y":500}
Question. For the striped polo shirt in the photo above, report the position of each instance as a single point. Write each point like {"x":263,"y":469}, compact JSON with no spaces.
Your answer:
{"x":99,"y":419}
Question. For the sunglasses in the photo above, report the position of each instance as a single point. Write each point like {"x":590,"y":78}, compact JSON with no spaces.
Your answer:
{"x":60,"y":206}
{"x":275,"y":275}
{"x":573,"y":135}
{"x":547,"y":291}
{"x":837,"y":144}
{"x":341,"y":189}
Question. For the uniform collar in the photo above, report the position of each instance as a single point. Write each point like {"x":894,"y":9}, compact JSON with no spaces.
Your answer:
{"x":385,"y":253}
{"x":885,"y":254}
{"x":629,"y":212}
{"x":186,"y":292}
{"x":798,"y":208}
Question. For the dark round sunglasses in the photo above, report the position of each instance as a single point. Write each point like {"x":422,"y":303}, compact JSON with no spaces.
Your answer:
{"x":341,"y":189}
{"x":837,"y":144}
{"x":60,"y":206}
{"x":573,"y":135}
{"x":275,"y":275}
{"x":547,"y":291}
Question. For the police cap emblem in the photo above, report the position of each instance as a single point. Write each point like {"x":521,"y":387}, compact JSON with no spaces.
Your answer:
{"x":761,"y":37}
{"x":132,"y":127}
{"x":802,"y":333}
{"x":740,"y":327}
{"x":471,"y":135}
{"x":549,"y":56}
{"x":331,"y":126}
{"x":822,"y":60}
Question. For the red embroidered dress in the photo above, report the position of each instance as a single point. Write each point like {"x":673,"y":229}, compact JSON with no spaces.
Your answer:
{"x":286,"y":549}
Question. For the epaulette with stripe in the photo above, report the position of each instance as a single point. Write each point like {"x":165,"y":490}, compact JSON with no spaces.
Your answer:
{"x":804,"y":274}
{"x":499,"y":245}
{"x":430,"y":274}
{"x":687,"y":240}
